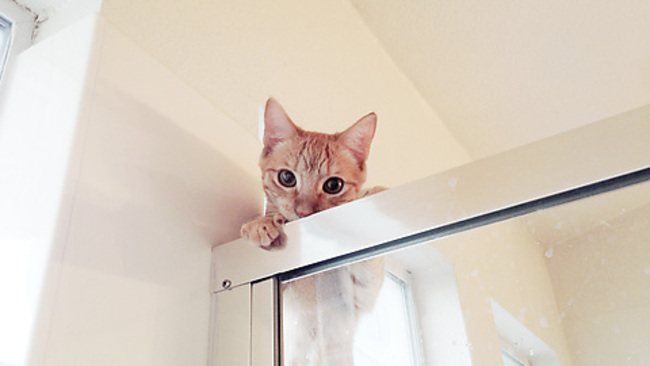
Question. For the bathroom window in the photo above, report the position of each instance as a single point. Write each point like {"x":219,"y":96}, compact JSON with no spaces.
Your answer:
{"x":5,"y":42}
{"x":511,"y":360}
{"x":519,"y":345}
{"x":386,"y":336}
{"x":389,"y":335}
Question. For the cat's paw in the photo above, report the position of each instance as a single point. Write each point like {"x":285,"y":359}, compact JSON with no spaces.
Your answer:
{"x":265,"y":231}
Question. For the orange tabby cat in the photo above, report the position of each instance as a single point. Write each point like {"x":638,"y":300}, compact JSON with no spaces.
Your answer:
{"x":303,"y":173}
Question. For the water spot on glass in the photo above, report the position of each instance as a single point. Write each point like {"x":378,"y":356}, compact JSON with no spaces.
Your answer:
{"x":647,"y":269}
{"x":543,"y":322}
{"x":617,"y":330}
{"x":474,"y":273}
{"x":531,"y":352}
{"x":597,"y":319}
{"x":452,"y":183}
{"x":559,"y":224}
{"x":549,"y":253}
{"x":522,"y":314}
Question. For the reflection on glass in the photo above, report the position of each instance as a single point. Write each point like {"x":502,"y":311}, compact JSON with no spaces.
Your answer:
{"x":511,"y":360}
{"x":417,"y":301}
{"x":5,"y":42}
{"x":321,"y":313}
{"x":565,"y":286}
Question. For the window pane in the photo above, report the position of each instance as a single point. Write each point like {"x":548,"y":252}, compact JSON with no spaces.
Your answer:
{"x":398,"y":309}
{"x":384,"y":336}
{"x":5,"y":42}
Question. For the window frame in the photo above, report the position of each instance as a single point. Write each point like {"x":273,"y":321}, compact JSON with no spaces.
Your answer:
{"x":525,"y":361}
{"x":401,"y":276}
{"x":6,"y":40}
{"x":23,"y":26}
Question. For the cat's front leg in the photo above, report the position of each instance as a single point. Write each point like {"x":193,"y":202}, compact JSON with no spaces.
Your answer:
{"x":265,"y":231}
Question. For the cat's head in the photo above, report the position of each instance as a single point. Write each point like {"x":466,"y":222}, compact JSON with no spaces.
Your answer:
{"x":305,"y":172}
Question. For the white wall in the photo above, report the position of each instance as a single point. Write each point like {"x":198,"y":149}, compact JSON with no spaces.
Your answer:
{"x":39,"y":117}
{"x":119,"y":180}
{"x":151,"y":196}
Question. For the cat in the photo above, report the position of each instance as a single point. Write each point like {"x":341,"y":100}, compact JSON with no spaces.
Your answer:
{"x":305,"y":172}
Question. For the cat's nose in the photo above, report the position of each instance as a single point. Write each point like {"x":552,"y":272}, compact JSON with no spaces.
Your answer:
{"x":303,"y":210}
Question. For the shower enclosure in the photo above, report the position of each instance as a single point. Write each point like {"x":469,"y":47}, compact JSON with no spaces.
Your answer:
{"x":537,"y":256}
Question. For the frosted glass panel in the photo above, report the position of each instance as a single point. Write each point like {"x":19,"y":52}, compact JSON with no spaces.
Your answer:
{"x":399,"y":309}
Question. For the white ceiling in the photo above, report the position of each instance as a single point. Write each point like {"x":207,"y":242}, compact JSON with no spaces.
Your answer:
{"x":505,"y":73}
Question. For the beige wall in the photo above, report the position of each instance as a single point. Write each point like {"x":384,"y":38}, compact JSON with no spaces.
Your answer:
{"x":502,"y":74}
{"x":503,"y":262}
{"x":602,"y":284}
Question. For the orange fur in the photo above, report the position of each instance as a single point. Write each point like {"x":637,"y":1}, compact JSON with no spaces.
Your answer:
{"x":313,"y":158}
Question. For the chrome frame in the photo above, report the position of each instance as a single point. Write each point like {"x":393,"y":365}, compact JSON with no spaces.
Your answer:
{"x":264,"y":327}
{"x":602,"y":156}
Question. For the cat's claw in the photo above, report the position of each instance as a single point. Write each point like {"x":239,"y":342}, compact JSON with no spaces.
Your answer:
{"x":265,"y":231}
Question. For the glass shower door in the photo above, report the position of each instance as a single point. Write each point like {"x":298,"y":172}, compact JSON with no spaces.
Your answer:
{"x":565,"y":285}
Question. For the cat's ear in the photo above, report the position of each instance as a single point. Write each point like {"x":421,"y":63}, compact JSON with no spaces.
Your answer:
{"x":277,"y":125}
{"x":358,"y":137}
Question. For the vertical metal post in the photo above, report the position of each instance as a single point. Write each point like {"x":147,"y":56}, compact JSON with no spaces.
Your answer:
{"x":231,"y":327}
{"x":264,"y":326}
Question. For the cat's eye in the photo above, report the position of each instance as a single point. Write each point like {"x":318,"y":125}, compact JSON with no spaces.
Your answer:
{"x":333,"y":185}
{"x":286,"y":178}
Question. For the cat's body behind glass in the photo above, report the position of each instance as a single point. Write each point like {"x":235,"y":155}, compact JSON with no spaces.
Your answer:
{"x":304,"y":172}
